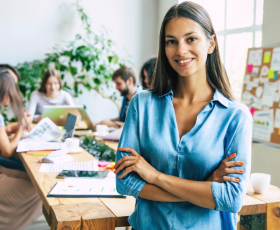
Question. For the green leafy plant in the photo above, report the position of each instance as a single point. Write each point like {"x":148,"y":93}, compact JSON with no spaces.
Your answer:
{"x":98,"y":149}
{"x":88,"y":61}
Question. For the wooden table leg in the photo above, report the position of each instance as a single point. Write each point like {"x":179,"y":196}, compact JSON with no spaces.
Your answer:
{"x":47,"y":216}
{"x":91,"y":216}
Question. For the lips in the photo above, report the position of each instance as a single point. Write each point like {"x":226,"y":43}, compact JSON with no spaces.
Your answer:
{"x":184,"y":62}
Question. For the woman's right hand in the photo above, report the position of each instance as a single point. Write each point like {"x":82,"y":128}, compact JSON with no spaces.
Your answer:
{"x":224,"y":168}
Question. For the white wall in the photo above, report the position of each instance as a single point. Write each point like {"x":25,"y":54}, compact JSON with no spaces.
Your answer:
{"x":30,"y":28}
{"x":270,"y":27}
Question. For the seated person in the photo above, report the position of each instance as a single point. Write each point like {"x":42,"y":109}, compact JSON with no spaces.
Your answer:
{"x":125,"y":79}
{"x":9,"y":89}
{"x":146,"y":74}
{"x":16,"y":76}
{"x":50,"y":93}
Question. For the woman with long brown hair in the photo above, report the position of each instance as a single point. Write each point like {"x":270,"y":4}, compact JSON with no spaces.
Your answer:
{"x":20,"y":204}
{"x":50,"y":93}
{"x":180,"y":137}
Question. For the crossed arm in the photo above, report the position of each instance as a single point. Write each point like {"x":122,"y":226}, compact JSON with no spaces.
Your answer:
{"x":166,"y":188}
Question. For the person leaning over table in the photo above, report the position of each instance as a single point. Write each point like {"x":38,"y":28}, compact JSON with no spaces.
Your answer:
{"x":16,"y":76}
{"x":179,"y":138}
{"x":50,"y":93}
{"x":125,"y":80}
{"x":20,"y":204}
{"x":6,"y":156}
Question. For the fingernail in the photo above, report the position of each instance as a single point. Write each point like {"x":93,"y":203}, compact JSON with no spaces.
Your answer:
{"x":236,"y":179}
{"x":115,"y":171}
{"x":120,"y":147}
{"x":119,"y":177}
{"x":114,"y":166}
{"x":234,"y":154}
{"x":241,"y":170}
{"x":241,"y":162}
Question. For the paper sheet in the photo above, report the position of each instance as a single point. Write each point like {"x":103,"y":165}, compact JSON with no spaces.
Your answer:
{"x":255,"y":82}
{"x":259,"y":91}
{"x":246,"y":97}
{"x":255,"y":57}
{"x":268,"y":94}
{"x":255,"y":71}
{"x":256,"y":102}
{"x":263,"y":125}
{"x":86,"y":187}
{"x":264,"y":71}
{"x":30,"y":145}
{"x":115,"y":135}
{"x":275,"y":61}
{"x":247,"y":78}
{"x":249,"y":86}
{"x":46,"y":130}
{"x":277,"y":119}
{"x":81,"y":166}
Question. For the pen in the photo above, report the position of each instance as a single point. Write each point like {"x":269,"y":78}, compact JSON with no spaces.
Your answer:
{"x":116,"y":123}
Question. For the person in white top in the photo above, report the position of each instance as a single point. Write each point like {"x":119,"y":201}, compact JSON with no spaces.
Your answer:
{"x":50,"y":93}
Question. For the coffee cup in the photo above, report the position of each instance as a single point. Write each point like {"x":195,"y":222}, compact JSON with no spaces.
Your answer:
{"x":102,"y":130}
{"x":260,"y":182}
{"x":72,"y":143}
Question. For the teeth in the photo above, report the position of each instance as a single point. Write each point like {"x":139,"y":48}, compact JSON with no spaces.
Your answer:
{"x":184,"y":61}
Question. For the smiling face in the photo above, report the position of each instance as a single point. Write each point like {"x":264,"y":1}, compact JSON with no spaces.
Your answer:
{"x":187,"y":47}
{"x":52,"y":85}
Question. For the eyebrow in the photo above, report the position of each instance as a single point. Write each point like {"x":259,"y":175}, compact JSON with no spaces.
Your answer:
{"x":187,"y":34}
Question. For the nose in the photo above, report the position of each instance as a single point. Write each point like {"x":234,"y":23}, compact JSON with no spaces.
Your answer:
{"x":182,"y":49}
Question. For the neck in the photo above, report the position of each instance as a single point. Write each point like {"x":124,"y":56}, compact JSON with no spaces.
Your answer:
{"x":132,"y":91}
{"x":52,"y":95}
{"x":194,"y":88}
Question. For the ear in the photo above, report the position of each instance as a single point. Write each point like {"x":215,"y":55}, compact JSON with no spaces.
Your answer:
{"x":130,"y":81}
{"x":212,"y":44}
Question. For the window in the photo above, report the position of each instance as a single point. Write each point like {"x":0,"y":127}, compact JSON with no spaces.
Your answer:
{"x":238,"y":25}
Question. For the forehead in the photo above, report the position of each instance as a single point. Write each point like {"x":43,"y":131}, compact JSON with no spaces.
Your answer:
{"x":181,"y":26}
{"x":118,"y":79}
{"x":52,"y":79}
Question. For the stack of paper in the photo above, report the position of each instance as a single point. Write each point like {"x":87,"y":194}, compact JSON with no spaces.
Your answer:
{"x":81,"y":166}
{"x":31,"y":145}
{"x":115,"y":135}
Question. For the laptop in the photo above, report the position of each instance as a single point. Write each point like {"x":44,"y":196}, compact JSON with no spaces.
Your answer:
{"x":70,"y":125}
{"x":58,"y":114}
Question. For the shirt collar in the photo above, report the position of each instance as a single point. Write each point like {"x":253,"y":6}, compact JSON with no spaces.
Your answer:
{"x":216,"y":97}
{"x":220,"y":98}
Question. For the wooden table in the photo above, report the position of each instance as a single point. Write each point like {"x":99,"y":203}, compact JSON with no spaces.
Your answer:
{"x":72,"y":213}
{"x":108,"y":213}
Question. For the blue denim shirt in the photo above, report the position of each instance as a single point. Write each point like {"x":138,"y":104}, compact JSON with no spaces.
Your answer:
{"x":123,"y":108}
{"x":223,"y":127}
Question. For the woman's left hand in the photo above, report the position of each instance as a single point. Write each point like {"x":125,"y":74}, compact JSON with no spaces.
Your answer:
{"x":137,"y":164}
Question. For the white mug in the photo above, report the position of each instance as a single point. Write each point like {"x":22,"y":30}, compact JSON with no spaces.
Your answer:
{"x":102,"y":130}
{"x":72,"y":143}
{"x":260,"y":182}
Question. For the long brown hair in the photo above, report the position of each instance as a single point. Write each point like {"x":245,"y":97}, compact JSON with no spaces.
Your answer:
{"x":165,"y":77}
{"x":49,"y":73}
{"x":9,"y":86}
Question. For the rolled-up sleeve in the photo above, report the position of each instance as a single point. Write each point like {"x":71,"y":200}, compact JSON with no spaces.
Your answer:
{"x":229,"y":196}
{"x":132,"y":183}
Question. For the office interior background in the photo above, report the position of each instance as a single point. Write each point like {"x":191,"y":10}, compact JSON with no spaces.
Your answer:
{"x":30,"y":28}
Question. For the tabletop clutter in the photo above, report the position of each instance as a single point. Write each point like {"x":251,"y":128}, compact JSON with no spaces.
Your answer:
{"x":46,"y":139}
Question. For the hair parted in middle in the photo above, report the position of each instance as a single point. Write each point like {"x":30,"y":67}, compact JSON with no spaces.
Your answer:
{"x":165,"y":77}
{"x":49,"y":73}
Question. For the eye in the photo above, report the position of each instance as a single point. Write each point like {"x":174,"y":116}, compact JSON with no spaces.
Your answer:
{"x":170,"y":42}
{"x":191,"y":39}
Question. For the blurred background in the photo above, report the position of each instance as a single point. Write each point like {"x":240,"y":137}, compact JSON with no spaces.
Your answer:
{"x":30,"y":29}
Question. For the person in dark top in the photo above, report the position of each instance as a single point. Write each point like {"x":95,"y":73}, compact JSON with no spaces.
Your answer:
{"x":125,"y":79}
